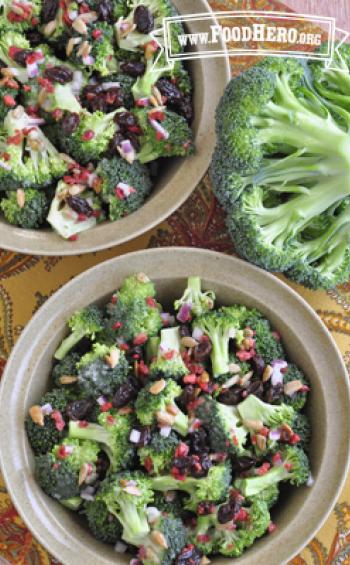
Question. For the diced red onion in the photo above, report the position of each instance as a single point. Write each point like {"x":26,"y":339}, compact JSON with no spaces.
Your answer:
{"x":36,"y":122}
{"x":33,"y":69}
{"x":194,"y":425}
{"x":143,"y":102}
{"x":126,"y":146}
{"x":120,"y":547}
{"x":135,"y":436}
{"x":108,"y":85}
{"x":277,"y":375}
{"x":197,"y":334}
{"x":5,"y":166}
{"x":165,"y":431}
{"x":310,"y":482}
{"x":184,"y":314}
{"x":127,"y":151}
{"x":47,"y":409}
{"x":101,"y":400}
{"x":126,"y":189}
{"x":73,"y":14}
{"x":159,"y":128}
{"x":275,"y":435}
{"x":135,"y":561}
{"x":124,"y":26}
{"x":88,"y":60}
{"x":69,"y":449}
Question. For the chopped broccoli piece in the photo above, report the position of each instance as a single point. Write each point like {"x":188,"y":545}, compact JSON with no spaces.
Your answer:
{"x":302,"y":427}
{"x":137,"y":286}
{"x":267,"y":342}
{"x":84,"y":323}
{"x":199,"y":302}
{"x":8,"y":96}
{"x":66,"y":367}
{"x":296,"y":399}
{"x":29,"y":215}
{"x":173,"y":535}
{"x":269,"y":495}
{"x":157,"y":456}
{"x":254,"y":409}
{"x":169,"y":503}
{"x":19,"y":15}
{"x":11,"y":42}
{"x":103,"y":525}
{"x":169,"y":363}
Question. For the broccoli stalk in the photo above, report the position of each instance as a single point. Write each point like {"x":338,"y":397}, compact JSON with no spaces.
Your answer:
{"x":254,"y":409}
{"x":169,"y":363}
{"x":292,"y":466}
{"x":194,"y":298}
{"x":84,"y":323}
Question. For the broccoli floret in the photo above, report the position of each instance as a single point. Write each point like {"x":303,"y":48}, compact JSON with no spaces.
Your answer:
{"x":157,"y":456}
{"x":8,"y":96}
{"x":102,"y":370}
{"x":269,"y":495}
{"x":54,"y":28}
{"x":62,"y":473}
{"x":84,"y":323}
{"x":101,"y":58}
{"x":124,"y":186}
{"x":65,"y":220}
{"x":293,"y":467}
{"x":231,"y":539}
{"x":15,"y":40}
{"x":129,"y":318}
{"x":153,"y":403}
{"x":213,"y":487}
{"x":165,"y":134}
{"x":28,"y":159}
{"x":169,"y":503}
{"x":254,"y":409}
{"x":152,"y":347}
{"x":126,"y":496}
{"x":66,"y":367}
{"x":195,"y":299}
{"x":44,"y":434}
{"x":137,"y":286}
{"x":226,"y":432}
{"x":103,"y":525}
{"x":169,"y":363}
{"x":110,"y":12}
{"x":112,"y":432}
{"x":28,"y":215}
{"x":298,"y":398}
{"x":220,"y":327}
{"x":267,"y":343}
{"x":302,"y":427}
{"x":173,"y":536}
{"x":62,"y":98}
{"x":20,"y":15}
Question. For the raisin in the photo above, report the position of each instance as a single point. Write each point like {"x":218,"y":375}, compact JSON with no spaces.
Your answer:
{"x":133,"y":68}
{"x":79,"y":409}
{"x":126,"y":120}
{"x":80,"y":205}
{"x":185,"y":331}
{"x":244,"y":463}
{"x":202,"y":351}
{"x":185,"y":108}
{"x":49,"y":10}
{"x":225,"y":513}
{"x":125,"y":393}
{"x":274,"y":394}
{"x":69,"y":123}
{"x":205,"y":508}
{"x":256,"y":388}
{"x":21,"y":56}
{"x":258,"y":365}
{"x":188,"y":395}
{"x":169,"y":90}
{"x":34,"y":37}
{"x":60,"y":74}
{"x":114,"y":144}
{"x":231,"y":396}
{"x":189,"y":555}
{"x":199,"y":441}
{"x":102,"y":465}
{"x":182,"y":463}
{"x":105,"y":10}
{"x":143,"y":19}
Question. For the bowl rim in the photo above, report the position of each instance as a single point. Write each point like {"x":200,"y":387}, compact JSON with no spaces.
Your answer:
{"x":159,"y":206}
{"x":226,"y":263}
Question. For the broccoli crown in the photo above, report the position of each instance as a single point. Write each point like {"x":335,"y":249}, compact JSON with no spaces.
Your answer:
{"x":128,"y":318}
{"x":90,"y":140}
{"x":269,"y":495}
{"x":57,"y":478}
{"x":84,"y":323}
{"x":103,"y":525}
{"x":102,"y":370}
{"x":10,"y":18}
{"x":29,"y":215}
{"x":77,"y":452}
{"x":294,"y":468}
{"x":254,"y":409}
{"x":226,"y":432}
{"x":173,"y":534}
{"x":124,"y":186}
{"x":138,"y":285}
{"x":112,"y":432}
{"x":126,"y":496}
{"x":220,"y":327}
{"x":165,"y":134}
{"x":213,"y":487}
{"x":296,"y":399}
{"x":43,"y":438}
{"x":66,"y":367}
{"x":153,"y":403}
{"x":267,"y":343}
{"x":302,"y":427}
{"x":193,"y":297}
{"x":102,"y":52}
{"x":9,"y":91}
{"x":15,"y":39}
{"x":169,"y":362}
{"x":168,"y":503}
{"x":157,"y":456}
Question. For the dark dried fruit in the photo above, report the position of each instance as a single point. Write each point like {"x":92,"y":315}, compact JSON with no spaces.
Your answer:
{"x":183,"y":464}
{"x":205,"y":508}
{"x":105,"y":10}
{"x":202,"y":351}
{"x":256,"y":388}
{"x":126,"y":120}
{"x":244,"y":463}
{"x":170,"y":91}
{"x":200,"y":465}
{"x":34,"y":37}
{"x":21,"y":56}
{"x":69,"y":123}
{"x":114,"y":144}
{"x":190,"y":555}
{"x":60,"y":74}
{"x":199,"y":441}
{"x":143,"y":19}
{"x":79,"y":409}
{"x":80,"y":205}
{"x":188,"y":395}
{"x":258,"y":365}
{"x":145,"y":436}
{"x":185,"y":108}
{"x":133,"y":68}
{"x":102,"y":465}
{"x":225,"y":513}
{"x":49,"y":10}
{"x":274,"y":394}
{"x":125,"y":393}
{"x":231,"y":396}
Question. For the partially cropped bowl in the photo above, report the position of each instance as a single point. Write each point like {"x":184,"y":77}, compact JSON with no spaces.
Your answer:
{"x":176,"y":180}
{"x":300,"y":512}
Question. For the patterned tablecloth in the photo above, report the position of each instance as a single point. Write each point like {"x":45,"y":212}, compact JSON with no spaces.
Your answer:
{"x":26,"y":282}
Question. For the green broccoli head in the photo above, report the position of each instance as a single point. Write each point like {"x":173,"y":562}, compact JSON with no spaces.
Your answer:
{"x":11,"y":42}
{"x":169,"y":503}
{"x":103,"y":525}
{"x":296,"y":387}
{"x":269,"y":495}
{"x":302,"y":427}
{"x":66,"y":367}
{"x":157,"y":456}
{"x":86,"y":322}
{"x":226,"y":432}
{"x":102,"y":52}
{"x":25,"y":209}
{"x":46,"y":424}
{"x":267,"y":342}
{"x":163,"y":544}
{"x":124,"y":186}
{"x":112,"y":432}
{"x":194,"y":299}
{"x":252,"y":409}
{"x":102,"y":370}
{"x":20,"y":16}
{"x":165,"y":134}
{"x":155,"y":403}
{"x":126,"y":496}
{"x":138,"y":285}
{"x":169,"y":363}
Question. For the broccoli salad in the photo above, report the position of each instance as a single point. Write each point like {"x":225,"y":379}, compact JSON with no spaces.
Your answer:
{"x":88,"y":110}
{"x":171,"y":433}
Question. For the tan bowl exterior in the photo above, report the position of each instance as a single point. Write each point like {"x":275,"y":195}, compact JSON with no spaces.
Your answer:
{"x":26,"y":377}
{"x":177,"y":181}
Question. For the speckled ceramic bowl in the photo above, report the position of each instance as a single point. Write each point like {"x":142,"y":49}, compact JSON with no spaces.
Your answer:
{"x":176,"y":180}
{"x":300,"y":512}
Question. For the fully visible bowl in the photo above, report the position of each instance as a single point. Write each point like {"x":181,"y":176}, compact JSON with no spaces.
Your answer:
{"x":300,"y":513}
{"x":176,"y":181}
